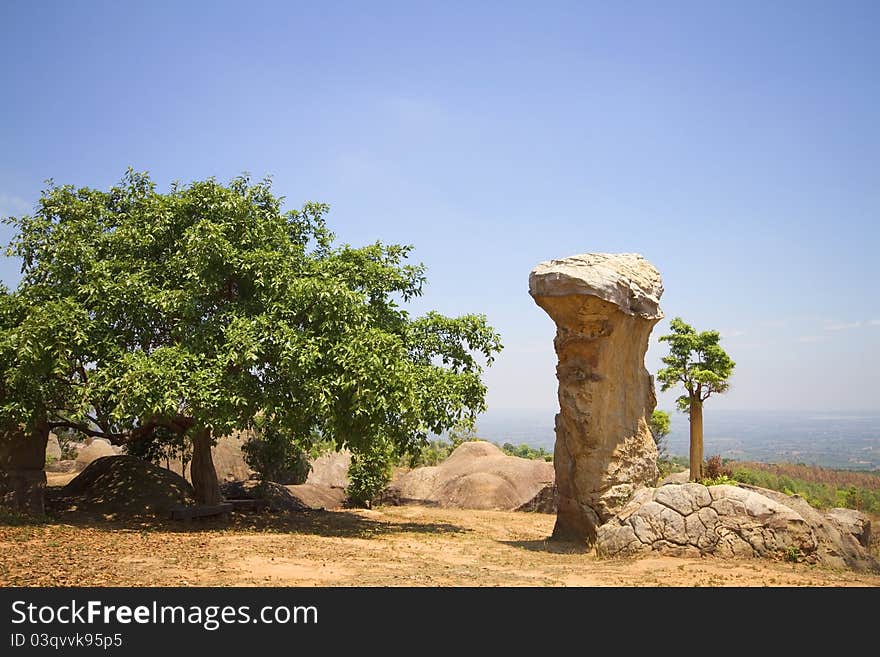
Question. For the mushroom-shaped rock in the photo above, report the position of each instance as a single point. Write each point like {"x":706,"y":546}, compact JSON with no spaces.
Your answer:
{"x":604,"y":306}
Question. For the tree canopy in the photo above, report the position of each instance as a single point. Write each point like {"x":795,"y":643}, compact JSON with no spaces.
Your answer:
{"x":143,"y":314}
{"x":696,"y":361}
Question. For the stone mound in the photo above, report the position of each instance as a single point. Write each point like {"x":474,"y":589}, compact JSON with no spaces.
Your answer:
{"x":733,"y":521}
{"x":318,"y":496}
{"x":127,"y":485}
{"x":477,"y":475}
{"x":276,"y":496}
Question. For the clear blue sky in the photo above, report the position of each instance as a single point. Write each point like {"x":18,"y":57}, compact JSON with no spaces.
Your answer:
{"x":734,"y":144}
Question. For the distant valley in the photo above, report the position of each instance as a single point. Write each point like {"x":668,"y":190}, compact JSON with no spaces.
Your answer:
{"x":831,"y":440}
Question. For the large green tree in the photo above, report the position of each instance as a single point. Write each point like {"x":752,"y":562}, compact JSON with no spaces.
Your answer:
{"x":697,"y":362}
{"x":196,"y":311}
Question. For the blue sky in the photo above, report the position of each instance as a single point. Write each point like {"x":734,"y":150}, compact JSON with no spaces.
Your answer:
{"x":735,"y":145}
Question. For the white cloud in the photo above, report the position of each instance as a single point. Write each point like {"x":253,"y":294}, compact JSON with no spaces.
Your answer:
{"x":13,"y":205}
{"x":842,"y":326}
{"x":731,"y":333}
{"x":874,"y":322}
{"x":812,"y":338}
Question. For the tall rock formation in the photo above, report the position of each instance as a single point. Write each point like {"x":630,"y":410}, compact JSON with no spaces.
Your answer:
{"x":604,"y":306}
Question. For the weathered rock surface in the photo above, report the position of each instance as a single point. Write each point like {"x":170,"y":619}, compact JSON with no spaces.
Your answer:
{"x":97,"y":449}
{"x":22,"y":474}
{"x":676,"y":478}
{"x":852,"y":522}
{"x":229,"y":459}
{"x":477,"y":475}
{"x":68,"y":465}
{"x":330,"y":469}
{"x":276,"y":496}
{"x":53,"y":449}
{"x":729,"y":521}
{"x":604,"y":306}
{"x":544,"y":500}
{"x":127,"y":485}
{"x":319,"y":496}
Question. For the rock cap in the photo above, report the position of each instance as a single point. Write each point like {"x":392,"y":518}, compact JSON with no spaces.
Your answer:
{"x":627,"y":280}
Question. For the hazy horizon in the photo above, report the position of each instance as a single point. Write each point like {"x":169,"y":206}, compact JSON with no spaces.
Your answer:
{"x":833,"y":439}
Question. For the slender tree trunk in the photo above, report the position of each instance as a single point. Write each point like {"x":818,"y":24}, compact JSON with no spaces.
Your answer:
{"x":204,"y":476}
{"x":696,"y":421}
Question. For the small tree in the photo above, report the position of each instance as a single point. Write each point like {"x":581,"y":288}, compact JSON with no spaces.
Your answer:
{"x":659,"y":426}
{"x":697,"y":362}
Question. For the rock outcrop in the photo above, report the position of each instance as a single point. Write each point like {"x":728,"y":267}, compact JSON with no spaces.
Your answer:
{"x":852,"y":522}
{"x":53,"y":449}
{"x":330,"y":469}
{"x":319,"y":496}
{"x":276,"y":496}
{"x":96,"y":449}
{"x":477,"y":475}
{"x":729,"y":521}
{"x":229,"y":459}
{"x":604,"y":306}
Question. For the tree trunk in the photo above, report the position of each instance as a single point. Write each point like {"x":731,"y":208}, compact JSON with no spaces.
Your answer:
{"x":696,"y":421}
{"x":202,"y":472}
{"x":22,"y":468}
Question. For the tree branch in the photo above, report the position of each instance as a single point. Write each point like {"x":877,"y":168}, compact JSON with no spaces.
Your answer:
{"x":114,"y":438}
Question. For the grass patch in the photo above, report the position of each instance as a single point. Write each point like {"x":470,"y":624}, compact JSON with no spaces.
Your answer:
{"x":11,"y":518}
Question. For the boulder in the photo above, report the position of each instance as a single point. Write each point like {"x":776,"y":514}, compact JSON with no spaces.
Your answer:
{"x":477,"y":475}
{"x":837,"y":548}
{"x":676,"y":478}
{"x":126,"y":485}
{"x":318,"y":496}
{"x":96,"y":449}
{"x":330,"y":469}
{"x":544,"y":500}
{"x":276,"y":496}
{"x":53,"y":449}
{"x":604,"y":306}
{"x":68,"y":465}
{"x":229,"y":459}
{"x":852,"y":522}
{"x":729,"y":521}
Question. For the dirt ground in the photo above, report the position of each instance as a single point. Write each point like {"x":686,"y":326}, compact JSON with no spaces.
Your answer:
{"x":388,"y":546}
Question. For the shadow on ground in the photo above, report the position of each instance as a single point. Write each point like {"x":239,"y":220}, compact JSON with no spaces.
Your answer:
{"x":549,"y":546}
{"x":64,"y":509}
